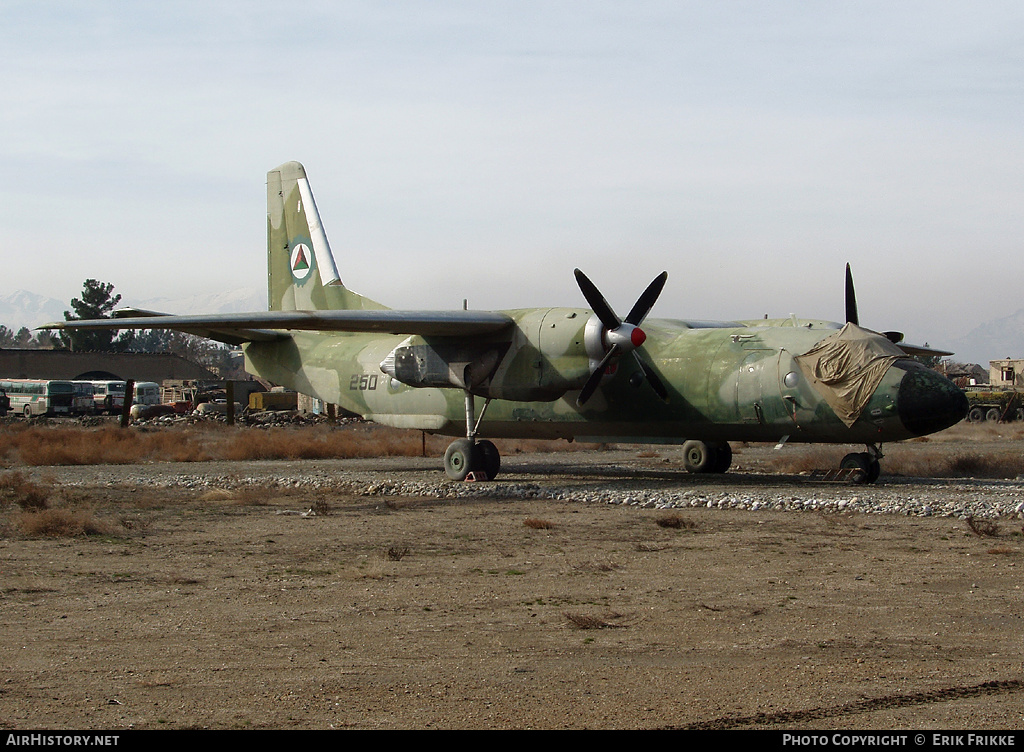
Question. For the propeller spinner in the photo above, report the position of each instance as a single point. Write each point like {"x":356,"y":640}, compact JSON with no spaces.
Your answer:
{"x":621,"y":336}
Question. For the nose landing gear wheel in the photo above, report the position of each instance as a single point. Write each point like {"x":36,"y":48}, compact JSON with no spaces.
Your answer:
{"x":866,"y":468}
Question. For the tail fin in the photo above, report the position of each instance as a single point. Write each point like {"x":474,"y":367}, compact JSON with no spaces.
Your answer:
{"x":301,"y":273}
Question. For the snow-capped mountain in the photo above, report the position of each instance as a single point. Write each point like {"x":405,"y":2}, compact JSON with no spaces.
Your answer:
{"x":23,"y":308}
{"x":226,"y":301}
{"x":28,"y":309}
{"x":992,"y":340}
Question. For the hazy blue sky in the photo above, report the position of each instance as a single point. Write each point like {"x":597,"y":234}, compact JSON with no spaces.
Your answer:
{"x":483,"y":150}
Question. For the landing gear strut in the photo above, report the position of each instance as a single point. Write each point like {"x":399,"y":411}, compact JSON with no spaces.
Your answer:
{"x":468,"y":457}
{"x":865,"y":465}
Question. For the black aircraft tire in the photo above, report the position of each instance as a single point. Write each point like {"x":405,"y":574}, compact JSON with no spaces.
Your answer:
{"x":874,"y":469}
{"x":721,"y":454}
{"x":458,"y":459}
{"x":487,"y":459}
{"x":698,"y":457}
{"x":860,"y":462}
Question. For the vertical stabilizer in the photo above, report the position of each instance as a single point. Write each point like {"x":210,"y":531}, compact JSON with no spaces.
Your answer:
{"x":301,"y":272}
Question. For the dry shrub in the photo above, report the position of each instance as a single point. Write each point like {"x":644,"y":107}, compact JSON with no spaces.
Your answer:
{"x":42,"y":445}
{"x":925,"y":463}
{"x":22,"y":443}
{"x":23,"y":491}
{"x":796,"y":460}
{"x":538,"y":524}
{"x":397,"y":553}
{"x":676,"y":522}
{"x":309,"y":444}
{"x":218,"y":494}
{"x":597,"y":566}
{"x":61,"y":523}
{"x":255,"y":495}
{"x":982,"y":528}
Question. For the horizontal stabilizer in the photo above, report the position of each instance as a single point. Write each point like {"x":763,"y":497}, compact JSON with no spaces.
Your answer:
{"x":921,"y":350}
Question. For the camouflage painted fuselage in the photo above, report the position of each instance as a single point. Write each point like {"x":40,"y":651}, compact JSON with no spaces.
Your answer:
{"x":727,"y":383}
{"x":810,"y":381}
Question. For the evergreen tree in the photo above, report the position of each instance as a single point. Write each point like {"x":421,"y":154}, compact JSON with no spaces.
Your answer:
{"x":96,"y":303}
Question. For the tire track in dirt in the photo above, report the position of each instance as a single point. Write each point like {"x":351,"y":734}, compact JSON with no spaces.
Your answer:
{"x":853,"y":708}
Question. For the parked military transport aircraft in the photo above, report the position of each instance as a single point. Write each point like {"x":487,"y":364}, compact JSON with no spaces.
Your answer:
{"x":571,"y":373}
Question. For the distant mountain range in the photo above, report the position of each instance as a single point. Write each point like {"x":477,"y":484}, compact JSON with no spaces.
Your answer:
{"x":991,"y":340}
{"x":23,"y":308}
{"x":1000,"y":338}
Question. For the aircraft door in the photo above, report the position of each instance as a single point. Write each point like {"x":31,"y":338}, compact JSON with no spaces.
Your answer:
{"x":750,"y":387}
{"x":798,"y":401}
{"x":760,"y":399}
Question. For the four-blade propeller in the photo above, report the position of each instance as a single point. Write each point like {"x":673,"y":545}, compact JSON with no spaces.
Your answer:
{"x":851,"y":309}
{"x":621,"y":336}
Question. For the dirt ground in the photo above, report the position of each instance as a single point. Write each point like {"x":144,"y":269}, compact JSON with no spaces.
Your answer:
{"x":226,"y":608}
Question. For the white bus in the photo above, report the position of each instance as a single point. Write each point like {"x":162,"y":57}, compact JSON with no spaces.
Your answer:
{"x":108,"y":396}
{"x":83,"y":402}
{"x":31,"y":397}
{"x":146,"y":393}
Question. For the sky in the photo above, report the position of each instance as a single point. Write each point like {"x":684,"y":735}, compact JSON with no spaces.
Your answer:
{"x":482,"y":150}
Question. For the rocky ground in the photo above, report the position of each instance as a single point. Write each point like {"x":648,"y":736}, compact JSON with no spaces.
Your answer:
{"x":584,"y":590}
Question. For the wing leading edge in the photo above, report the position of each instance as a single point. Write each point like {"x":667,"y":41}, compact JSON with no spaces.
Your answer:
{"x":265,"y":326}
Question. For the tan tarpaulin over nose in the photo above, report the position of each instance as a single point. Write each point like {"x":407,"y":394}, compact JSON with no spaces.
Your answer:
{"x":846,"y":367}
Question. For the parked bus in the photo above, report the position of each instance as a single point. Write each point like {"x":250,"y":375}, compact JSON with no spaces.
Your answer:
{"x":39,"y":397}
{"x":108,"y":396}
{"x":84,"y":401}
{"x":146,"y":393}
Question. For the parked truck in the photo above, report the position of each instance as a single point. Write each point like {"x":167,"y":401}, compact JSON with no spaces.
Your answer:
{"x":989,"y":403}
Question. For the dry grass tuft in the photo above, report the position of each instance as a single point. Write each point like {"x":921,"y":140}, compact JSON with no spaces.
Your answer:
{"x":597,"y":566}
{"x":17,"y":487}
{"x":62,"y":523}
{"x":397,"y":553}
{"x":538,"y":524}
{"x":676,"y":522}
{"x":647,"y":547}
{"x":982,"y":528}
{"x":45,"y":445}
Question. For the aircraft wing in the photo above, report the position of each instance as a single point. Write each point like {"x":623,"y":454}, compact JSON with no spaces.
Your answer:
{"x":262,"y":326}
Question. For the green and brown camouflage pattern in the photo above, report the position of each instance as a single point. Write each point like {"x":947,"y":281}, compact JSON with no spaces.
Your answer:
{"x":731,"y":381}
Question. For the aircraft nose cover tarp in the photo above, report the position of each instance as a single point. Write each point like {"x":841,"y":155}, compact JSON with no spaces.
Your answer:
{"x":846,"y":367}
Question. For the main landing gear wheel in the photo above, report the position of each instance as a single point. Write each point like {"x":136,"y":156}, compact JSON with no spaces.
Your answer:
{"x":707,"y":457}
{"x":487,"y":458}
{"x":458,"y":459}
{"x":866,"y":468}
{"x":463,"y":457}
